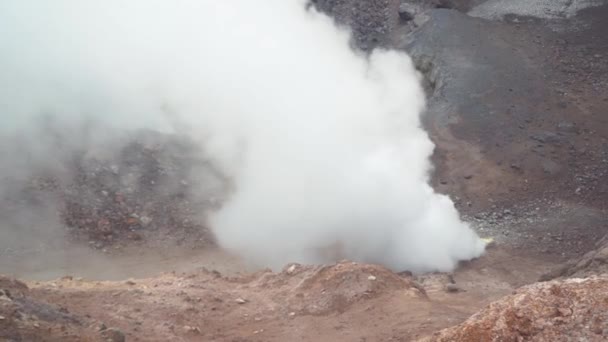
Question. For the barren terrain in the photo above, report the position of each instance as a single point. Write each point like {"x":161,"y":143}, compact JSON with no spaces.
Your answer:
{"x":518,"y":106}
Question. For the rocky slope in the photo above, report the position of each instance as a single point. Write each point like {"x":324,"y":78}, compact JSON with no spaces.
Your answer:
{"x":592,"y":263}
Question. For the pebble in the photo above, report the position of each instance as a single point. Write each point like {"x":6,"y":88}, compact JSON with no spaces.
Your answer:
{"x":113,"y":335}
{"x":565,"y":312}
{"x":240,"y":301}
{"x":452,"y":288}
{"x":190,"y":329}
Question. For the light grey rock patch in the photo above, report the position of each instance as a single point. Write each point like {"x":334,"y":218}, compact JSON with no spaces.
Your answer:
{"x":543,"y":9}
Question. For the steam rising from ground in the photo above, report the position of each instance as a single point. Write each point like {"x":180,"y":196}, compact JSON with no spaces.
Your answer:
{"x":324,"y":146}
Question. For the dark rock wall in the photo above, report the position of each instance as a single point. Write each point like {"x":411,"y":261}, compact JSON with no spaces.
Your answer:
{"x":371,"y":21}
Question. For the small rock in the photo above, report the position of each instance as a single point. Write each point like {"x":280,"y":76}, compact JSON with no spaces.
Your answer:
{"x":550,"y":167}
{"x":566,"y":127}
{"x":2,"y":318}
{"x":291,"y":314}
{"x":291,"y":269}
{"x":565,"y":312}
{"x":545,"y":137}
{"x":113,"y":335}
{"x":240,"y":301}
{"x":145,"y":220}
{"x":371,"y":277}
{"x":452,"y":288}
{"x":407,"y":12}
{"x":405,"y":274}
{"x":130,"y":282}
{"x":194,"y":330}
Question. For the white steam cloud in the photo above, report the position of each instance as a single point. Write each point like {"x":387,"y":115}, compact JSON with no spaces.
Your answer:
{"x":324,"y":146}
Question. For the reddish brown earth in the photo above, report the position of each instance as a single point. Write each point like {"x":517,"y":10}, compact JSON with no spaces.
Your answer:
{"x":341,"y":302}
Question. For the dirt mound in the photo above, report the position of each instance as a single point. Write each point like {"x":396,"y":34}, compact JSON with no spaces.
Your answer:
{"x":574,"y":309}
{"x":324,"y":289}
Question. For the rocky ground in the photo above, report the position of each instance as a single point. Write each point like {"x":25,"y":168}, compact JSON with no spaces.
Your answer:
{"x":517,"y":107}
{"x":341,"y":302}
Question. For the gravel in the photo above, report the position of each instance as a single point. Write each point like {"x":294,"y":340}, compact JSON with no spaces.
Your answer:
{"x":544,"y":9}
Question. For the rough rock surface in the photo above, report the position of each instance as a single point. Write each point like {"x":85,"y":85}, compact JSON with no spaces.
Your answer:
{"x":592,"y":263}
{"x":370,"y":20}
{"x":148,"y":185}
{"x":548,"y":9}
{"x":495,"y":103}
{"x":516,"y":111}
{"x":569,"y":310}
{"x":23,"y":318}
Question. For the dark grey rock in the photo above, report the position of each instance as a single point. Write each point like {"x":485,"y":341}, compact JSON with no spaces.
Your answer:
{"x":472,"y":72}
{"x":546,"y":137}
{"x":550,"y":167}
{"x":452,"y":288}
{"x":407,"y":12}
{"x":371,"y":21}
